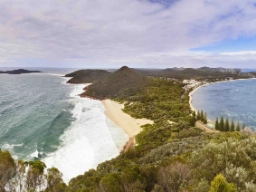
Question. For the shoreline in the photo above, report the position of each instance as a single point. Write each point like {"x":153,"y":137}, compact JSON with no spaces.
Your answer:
{"x":114,"y":112}
{"x":194,"y":89}
{"x":130,"y":125}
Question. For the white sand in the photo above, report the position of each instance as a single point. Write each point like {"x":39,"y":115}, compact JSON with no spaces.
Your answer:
{"x":191,"y":96}
{"x":130,"y":125}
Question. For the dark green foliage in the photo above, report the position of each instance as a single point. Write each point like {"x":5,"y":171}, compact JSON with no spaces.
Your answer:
{"x":232,"y":126}
{"x":202,"y":115}
{"x":87,"y":76}
{"x":198,"y":115}
{"x":54,"y":181}
{"x":193,"y":119}
{"x":88,"y":182}
{"x":111,"y":182}
{"x":123,"y":83}
{"x":212,"y":74}
{"x":238,"y":126}
{"x":28,"y":176}
{"x":217,"y":126}
{"x":160,"y":101}
{"x":7,"y":168}
{"x":222,"y":124}
{"x":35,"y":175}
{"x":227,"y":126}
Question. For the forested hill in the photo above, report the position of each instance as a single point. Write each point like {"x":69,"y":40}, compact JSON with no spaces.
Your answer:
{"x":203,"y":73}
{"x":122,"y":83}
{"x":211,"y":74}
{"x":87,"y":76}
{"x":171,"y":155}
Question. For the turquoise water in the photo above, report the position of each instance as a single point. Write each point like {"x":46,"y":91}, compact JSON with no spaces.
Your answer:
{"x":41,"y":117}
{"x":233,"y":99}
{"x":30,"y":119}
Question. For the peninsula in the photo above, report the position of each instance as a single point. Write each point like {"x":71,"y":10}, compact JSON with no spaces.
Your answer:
{"x":173,"y":151}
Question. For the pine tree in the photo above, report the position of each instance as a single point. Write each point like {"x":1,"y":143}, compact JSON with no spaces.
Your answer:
{"x":227,"y":127}
{"x":193,"y":119}
{"x":198,"y":115}
{"x":205,"y":118}
{"x":221,"y":125}
{"x":202,"y":115}
{"x":217,"y":127}
{"x":243,"y":126}
{"x":194,"y":114}
{"x":238,"y":127}
{"x":232,"y":127}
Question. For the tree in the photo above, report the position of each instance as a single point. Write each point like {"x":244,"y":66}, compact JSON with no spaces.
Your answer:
{"x":7,"y":170}
{"x":193,"y":119}
{"x":172,"y":177}
{"x":202,"y":115}
{"x":21,"y":173}
{"x":35,"y":175}
{"x":243,"y":126}
{"x":221,"y":125}
{"x":205,"y":118}
{"x":232,"y":127}
{"x":54,"y":181}
{"x":217,"y":127}
{"x":238,"y":126}
{"x":226,"y":126}
{"x":198,"y":115}
{"x":219,"y":184}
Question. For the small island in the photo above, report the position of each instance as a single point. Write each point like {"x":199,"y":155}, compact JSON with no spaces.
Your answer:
{"x":18,"y":71}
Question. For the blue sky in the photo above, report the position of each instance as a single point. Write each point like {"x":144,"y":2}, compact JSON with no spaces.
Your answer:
{"x":234,"y":45}
{"x":136,"y":33}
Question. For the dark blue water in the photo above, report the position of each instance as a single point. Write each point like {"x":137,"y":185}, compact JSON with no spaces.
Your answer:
{"x":233,"y":99}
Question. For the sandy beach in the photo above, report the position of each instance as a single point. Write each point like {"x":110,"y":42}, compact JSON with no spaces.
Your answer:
{"x":131,"y":126}
{"x":191,"y":97}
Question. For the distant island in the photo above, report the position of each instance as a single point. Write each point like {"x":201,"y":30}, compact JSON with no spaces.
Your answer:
{"x":18,"y":71}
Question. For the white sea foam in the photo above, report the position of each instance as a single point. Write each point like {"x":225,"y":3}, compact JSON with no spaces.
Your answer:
{"x":10,"y":147}
{"x":90,"y":139}
{"x":34,"y":155}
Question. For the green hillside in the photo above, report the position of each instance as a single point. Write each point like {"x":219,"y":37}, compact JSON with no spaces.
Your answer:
{"x":87,"y":76}
{"x":122,"y":83}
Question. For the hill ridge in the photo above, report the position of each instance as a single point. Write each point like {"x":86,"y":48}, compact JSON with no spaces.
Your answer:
{"x":123,"y":82}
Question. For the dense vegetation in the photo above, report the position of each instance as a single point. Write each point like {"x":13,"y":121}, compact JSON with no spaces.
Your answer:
{"x":28,"y":176}
{"x":170,"y":155}
{"x":211,"y":74}
{"x":87,"y":76}
{"x":225,"y":125}
{"x":120,"y":84}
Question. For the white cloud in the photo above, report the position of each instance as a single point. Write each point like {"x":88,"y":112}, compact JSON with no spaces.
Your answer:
{"x":116,"y":32}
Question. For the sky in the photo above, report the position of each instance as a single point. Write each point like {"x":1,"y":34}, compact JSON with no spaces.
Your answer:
{"x":136,"y":33}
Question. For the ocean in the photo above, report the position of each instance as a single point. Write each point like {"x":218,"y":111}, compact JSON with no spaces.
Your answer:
{"x":233,"y":99}
{"x":41,"y":117}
